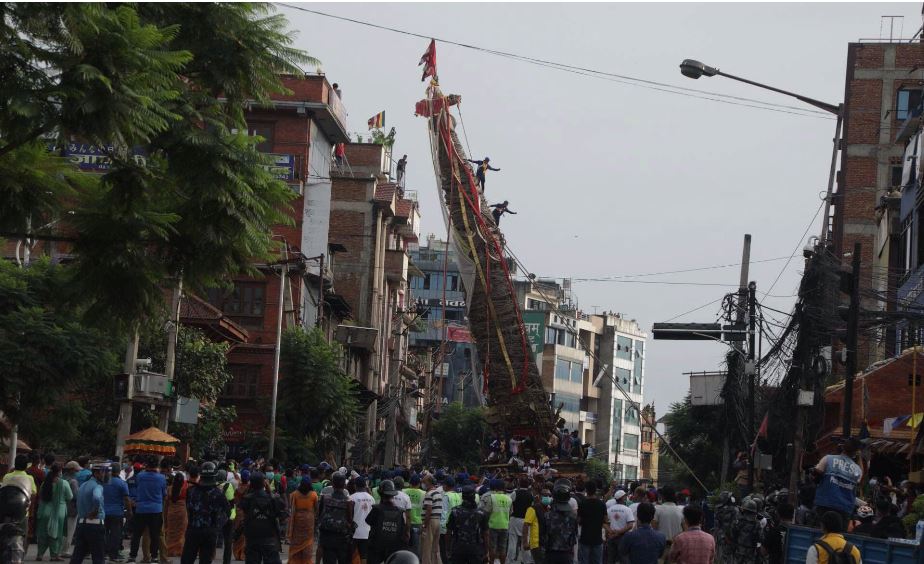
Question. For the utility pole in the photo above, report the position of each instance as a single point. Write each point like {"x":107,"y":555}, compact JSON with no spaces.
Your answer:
{"x":283,"y":274}
{"x":742,"y":296}
{"x":173,"y":326}
{"x":853,"y":322}
{"x":751,"y":370}
{"x":125,"y":406}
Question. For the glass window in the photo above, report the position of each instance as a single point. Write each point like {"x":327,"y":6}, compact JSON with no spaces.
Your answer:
{"x":631,"y":415}
{"x":551,"y":335}
{"x":264,"y":130}
{"x":616,"y":425}
{"x":243,"y":384}
{"x":245,"y":300}
{"x":623,"y":376}
{"x":570,"y":408}
{"x":637,"y":371}
{"x":629,"y":442}
{"x":907,"y":100}
{"x":577,"y":372}
{"x":631,"y":472}
{"x":426,"y":282}
{"x":624,"y":347}
{"x":562,"y":370}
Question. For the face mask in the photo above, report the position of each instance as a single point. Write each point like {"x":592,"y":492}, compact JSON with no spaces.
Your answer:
{"x":546,"y":500}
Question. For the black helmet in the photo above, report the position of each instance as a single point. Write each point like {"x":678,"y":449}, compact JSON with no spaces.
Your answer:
{"x":468,"y":493}
{"x":403,"y":557}
{"x":14,"y":503}
{"x":561,"y":492}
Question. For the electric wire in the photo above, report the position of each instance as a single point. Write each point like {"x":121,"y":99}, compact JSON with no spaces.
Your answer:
{"x":593,"y":73}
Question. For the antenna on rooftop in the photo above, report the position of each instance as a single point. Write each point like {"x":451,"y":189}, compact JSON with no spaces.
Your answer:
{"x":891,"y":23}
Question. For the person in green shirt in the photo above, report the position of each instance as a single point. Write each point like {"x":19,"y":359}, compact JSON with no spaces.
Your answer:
{"x":417,"y":496}
{"x":497,"y":505}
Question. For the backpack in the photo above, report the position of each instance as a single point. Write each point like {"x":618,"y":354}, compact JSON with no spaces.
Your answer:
{"x":334,"y":518}
{"x":467,"y":523}
{"x":392,"y":527}
{"x":842,"y":556}
{"x":561,"y":531}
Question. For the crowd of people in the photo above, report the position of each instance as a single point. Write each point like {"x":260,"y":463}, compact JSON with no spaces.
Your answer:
{"x":253,"y":510}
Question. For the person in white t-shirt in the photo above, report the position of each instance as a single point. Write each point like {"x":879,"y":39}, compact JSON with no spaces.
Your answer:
{"x":362,"y":505}
{"x":402,"y":500}
{"x":621,"y":520}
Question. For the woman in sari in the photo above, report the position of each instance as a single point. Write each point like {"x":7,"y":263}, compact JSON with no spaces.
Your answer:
{"x":52,"y":514}
{"x":175,"y":516}
{"x":303,"y":509}
{"x":240,"y":543}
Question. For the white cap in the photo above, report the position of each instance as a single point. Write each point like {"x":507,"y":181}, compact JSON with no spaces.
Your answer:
{"x":342,"y":470}
{"x":619,"y":495}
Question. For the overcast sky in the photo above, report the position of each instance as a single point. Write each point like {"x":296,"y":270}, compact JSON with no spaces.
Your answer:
{"x":609,"y":179}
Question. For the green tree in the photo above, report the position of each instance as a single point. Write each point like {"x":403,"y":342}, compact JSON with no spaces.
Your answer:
{"x":696,"y":433}
{"x":47,"y":356}
{"x":201,"y":372}
{"x":318,"y":404}
{"x":457,"y":435}
{"x":170,"y":80}
{"x":598,"y":469}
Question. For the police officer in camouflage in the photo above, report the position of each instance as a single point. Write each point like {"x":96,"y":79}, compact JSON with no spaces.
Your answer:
{"x":726,"y":513}
{"x":467,"y":531}
{"x":746,"y":535}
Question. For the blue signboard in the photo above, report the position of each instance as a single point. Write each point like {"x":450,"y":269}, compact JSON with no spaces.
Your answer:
{"x":94,"y":158}
{"x":283,"y":167}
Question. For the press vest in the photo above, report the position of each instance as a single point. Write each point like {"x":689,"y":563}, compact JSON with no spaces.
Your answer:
{"x":838,"y":486}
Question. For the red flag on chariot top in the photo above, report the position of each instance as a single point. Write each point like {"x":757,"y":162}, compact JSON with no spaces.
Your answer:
{"x":428,"y":60}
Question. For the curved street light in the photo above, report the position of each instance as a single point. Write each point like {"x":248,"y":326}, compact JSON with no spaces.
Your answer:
{"x":691,"y":68}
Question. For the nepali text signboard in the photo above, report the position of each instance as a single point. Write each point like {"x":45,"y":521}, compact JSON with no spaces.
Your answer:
{"x":93,"y":158}
{"x":534,"y":322}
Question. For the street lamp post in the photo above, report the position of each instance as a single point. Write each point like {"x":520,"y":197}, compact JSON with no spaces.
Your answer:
{"x":694,"y":69}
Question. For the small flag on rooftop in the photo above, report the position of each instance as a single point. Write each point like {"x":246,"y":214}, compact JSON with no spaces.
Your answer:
{"x":377,"y":121}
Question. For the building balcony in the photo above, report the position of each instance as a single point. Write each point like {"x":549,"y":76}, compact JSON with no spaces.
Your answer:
{"x":407,"y":218}
{"x":312,"y":94}
{"x":396,"y":265}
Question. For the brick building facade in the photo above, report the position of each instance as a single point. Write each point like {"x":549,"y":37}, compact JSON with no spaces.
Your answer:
{"x":881,"y":89}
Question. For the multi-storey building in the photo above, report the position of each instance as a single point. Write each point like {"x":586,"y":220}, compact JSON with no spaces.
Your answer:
{"x":621,"y":382}
{"x":882,"y":89}
{"x":299,"y":130}
{"x":563,"y":339}
{"x":373,"y":223}
{"x":441,"y":332}
{"x":910,"y":244}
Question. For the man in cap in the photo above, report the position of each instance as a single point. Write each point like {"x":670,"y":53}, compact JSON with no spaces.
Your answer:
{"x":207,"y":508}
{"x":467,"y":536}
{"x":620,"y":520}
{"x":416,"y":495}
{"x":840,"y":475}
{"x":336,"y":523}
{"x":117,"y":505}
{"x":483,"y":165}
{"x":90,"y":536}
{"x":362,"y":506}
{"x":430,"y":529}
{"x":389,"y":530}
